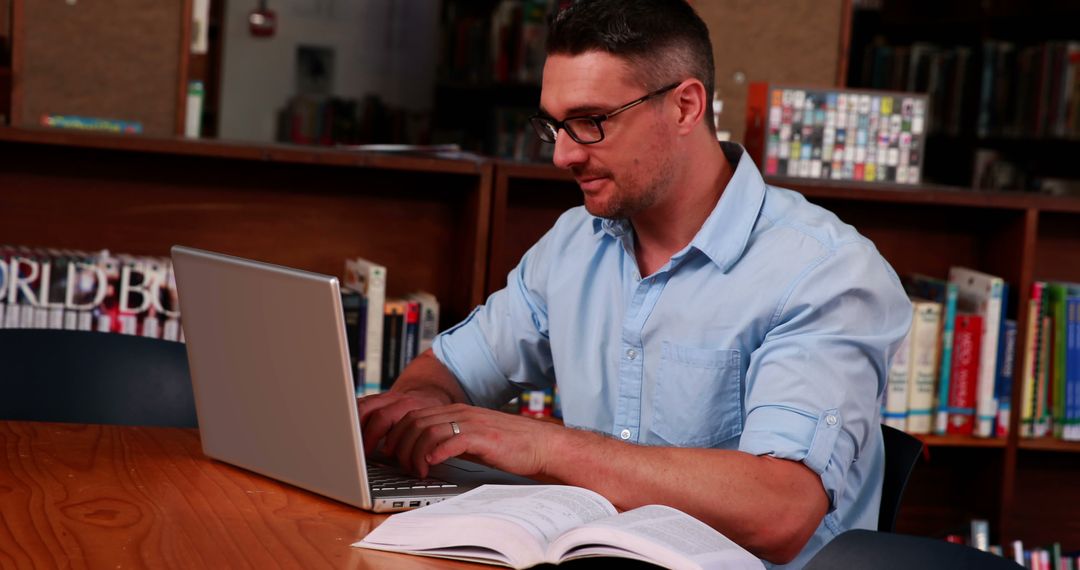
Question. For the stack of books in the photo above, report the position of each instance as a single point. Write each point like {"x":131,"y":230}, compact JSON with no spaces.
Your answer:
{"x":384,"y":334}
{"x":47,"y":288}
{"x":953,"y":374}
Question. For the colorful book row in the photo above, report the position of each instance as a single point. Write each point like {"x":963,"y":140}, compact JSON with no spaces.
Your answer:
{"x":384,"y":334}
{"x":90,"y":291}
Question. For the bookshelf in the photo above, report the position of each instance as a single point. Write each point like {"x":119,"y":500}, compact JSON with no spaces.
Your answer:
{"x":926,"y":229}
{"x":425,"y":219}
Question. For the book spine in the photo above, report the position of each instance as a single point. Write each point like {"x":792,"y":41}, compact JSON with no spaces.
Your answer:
{"x":1006,"y":365}
{"x":370,"y":279}
{"x":1031,"y":361}
{"x":410,"y":334}
{"x":945,"y":367}
{"x":987,"y":379}
{"x":924,"y":356}
{"x":1072,"y":429}
{"x":393,"y":320}
{"x":1042,"y":393}
{"x":894,"y":409}
{"x":1057,"y":299}
{"x":965,"y":373}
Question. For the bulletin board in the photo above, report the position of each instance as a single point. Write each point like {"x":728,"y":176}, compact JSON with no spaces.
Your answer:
{"x":111,"y":61}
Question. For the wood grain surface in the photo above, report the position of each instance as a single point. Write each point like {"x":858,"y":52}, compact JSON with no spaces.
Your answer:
{"x":92,"y":496}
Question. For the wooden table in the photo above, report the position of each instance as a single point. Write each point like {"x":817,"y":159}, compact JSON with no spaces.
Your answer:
{"x":93,"y":496}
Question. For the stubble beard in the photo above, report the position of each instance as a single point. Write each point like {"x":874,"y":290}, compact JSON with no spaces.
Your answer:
{"x":631,"y":196}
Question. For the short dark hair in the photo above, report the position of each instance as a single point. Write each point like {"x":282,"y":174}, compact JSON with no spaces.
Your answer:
{"x":663,"y":40}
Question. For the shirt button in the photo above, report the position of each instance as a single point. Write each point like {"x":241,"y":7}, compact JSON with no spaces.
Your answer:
{"x":830,"y":419}
{"x":631,"y":354}
{"x":625,"y":434}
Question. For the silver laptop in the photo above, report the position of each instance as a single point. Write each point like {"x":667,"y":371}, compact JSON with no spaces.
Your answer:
{"x":274,"y":389}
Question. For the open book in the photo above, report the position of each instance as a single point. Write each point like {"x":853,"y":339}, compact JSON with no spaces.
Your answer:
{"x":522,"y":526}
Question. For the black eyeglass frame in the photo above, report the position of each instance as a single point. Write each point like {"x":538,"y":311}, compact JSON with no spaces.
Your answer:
{"x":542,"y":123}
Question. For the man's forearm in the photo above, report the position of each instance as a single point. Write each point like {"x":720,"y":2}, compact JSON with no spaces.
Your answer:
{"x":427,"y":374}
{"x":770,"y":506}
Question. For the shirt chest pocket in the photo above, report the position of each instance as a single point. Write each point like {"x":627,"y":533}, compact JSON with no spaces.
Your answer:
{"x":698,"y":398}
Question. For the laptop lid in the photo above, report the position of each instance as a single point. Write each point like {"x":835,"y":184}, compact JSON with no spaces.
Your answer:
{"x":270,"y":372}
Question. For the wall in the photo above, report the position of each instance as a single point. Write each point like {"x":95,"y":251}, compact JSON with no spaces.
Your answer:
{"x":383,"y":47}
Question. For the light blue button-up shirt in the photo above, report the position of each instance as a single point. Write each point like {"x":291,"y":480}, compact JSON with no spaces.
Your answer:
{"x":770,"y":333}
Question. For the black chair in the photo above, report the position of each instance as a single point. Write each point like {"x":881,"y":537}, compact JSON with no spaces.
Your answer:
{"x":97,"y":378}
{"x":901,"y":452}
{"x":888,"y":551}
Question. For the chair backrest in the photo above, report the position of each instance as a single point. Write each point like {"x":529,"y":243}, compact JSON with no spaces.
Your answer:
{"x":862,"y":548}
{"x":91,"y":377}
{"x":901,"y":452}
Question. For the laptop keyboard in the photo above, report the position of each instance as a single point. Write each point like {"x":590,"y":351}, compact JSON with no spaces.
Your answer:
{"x":390,"y":478}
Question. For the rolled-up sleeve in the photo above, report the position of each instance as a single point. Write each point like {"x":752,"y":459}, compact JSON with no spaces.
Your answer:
{"x":812,"y":387}
{"x":502,"y":347}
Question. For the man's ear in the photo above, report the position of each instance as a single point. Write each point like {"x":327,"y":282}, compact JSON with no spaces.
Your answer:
{"x":690,"y":102}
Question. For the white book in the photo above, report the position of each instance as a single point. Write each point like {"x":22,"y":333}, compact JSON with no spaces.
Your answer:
{"x":11,"y":318}
{"x":980,"y":293}
{"x":369,"y":278}
{"x":3,"y":310}
{"x":85,"y":321}
{"x":924,"y":339}
{"x":26,"y":316}
{"x":71,"y":320}
{"x":171,"y":330}
{"x":151,"y":327}
{"x":894,"y":410}
{"x":521,"y":526}
{"x":56,"y":318}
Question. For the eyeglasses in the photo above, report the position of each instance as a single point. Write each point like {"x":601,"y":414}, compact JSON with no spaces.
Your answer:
{"x":586,"y":129}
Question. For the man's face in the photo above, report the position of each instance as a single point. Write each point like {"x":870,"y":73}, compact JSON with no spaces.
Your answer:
{"x":628,"y":171}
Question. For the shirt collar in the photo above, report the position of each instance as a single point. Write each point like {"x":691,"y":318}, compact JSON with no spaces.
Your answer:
{"x":724,"y":235}
{"x":726,"y":232}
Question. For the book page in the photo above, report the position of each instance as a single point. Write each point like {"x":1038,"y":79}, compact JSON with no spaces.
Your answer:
{"x":507,"y":524}
{"x":658,"y":534}
{"x":545,"y":511}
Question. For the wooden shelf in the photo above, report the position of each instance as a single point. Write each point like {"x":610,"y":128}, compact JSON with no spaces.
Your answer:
{"x":961,"y":441}
{"x":1050,"y":444}
{"x":280,"y":153}
{"x":928,"y":194}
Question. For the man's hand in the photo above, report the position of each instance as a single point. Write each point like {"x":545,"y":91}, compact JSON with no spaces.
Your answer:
{"x":425,"y":437}
{"x":425,"y":383}
{"x":380,"y":412}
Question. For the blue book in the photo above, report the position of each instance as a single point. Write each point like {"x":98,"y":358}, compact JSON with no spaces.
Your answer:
{"x":1006,"y":364}
{"x":945,"y":293}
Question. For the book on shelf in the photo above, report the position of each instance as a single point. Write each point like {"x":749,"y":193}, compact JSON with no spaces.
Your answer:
{"x":894,"y":406}
{"x":1058,"y":295}
{"x":393,"y":337}
{"x":922,"y":367}
{"x":981,"y":293}
{"x":1032,"y":334}
{"x":429,"y":319}
{"x":1006,"y":366}
{"x":967,"y":343}
{"x":524,"y":526}
{"x":90,"y":291}
{"x":1072,"y":371}
{"x":943,"y":292}
{"x":354,"y":307}
{"x":369,"y":279}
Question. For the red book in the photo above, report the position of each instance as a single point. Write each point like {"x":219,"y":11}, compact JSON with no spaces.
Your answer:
{"x":967,"y":339}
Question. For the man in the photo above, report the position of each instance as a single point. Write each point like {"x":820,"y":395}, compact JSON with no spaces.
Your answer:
{"x":719,"y":344}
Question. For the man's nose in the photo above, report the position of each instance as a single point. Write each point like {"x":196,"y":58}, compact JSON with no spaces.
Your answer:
{"x":568,"y":152}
